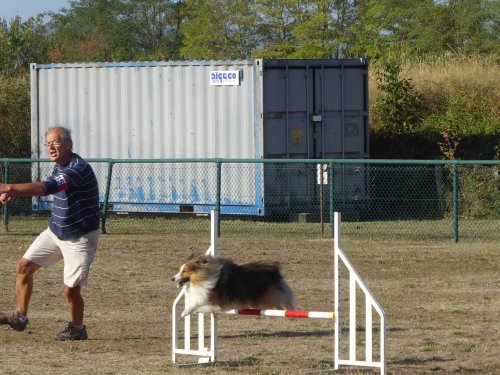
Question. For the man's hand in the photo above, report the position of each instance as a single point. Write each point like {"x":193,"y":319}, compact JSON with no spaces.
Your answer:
{"x":5,"y":198}
{"x":31,"y":189}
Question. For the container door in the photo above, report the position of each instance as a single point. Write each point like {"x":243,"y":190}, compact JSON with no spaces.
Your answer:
{"x":314,"y":110}
{"x":289,"y":134}
{"x":340,"y":112}
{"x":341,"y":132}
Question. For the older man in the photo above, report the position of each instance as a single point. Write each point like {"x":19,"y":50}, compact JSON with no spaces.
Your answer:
{"x":72,"y":234}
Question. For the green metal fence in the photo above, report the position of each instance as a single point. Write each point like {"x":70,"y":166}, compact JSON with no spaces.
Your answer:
{"x":429,"y":199}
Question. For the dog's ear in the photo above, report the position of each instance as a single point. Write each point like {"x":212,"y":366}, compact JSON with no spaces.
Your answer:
{"x":202,"y":259}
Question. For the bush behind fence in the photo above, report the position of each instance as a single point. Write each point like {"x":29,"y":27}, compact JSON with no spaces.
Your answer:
{"x":380,"y":198}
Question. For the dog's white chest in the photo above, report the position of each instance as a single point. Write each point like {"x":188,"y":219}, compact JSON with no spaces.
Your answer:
{"x":197,"y":299}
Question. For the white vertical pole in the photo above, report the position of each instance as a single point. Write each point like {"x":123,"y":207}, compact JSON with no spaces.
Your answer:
{"x":187,"y":332}
{"x":175,"y":333}
{"x":383,"y":347}
{"x":175,"y":325}
{"x":201,"y":332}
{"x":368,"y":328}
{"x":213,"y":336}
{"x":336,"y":284}
{"x":214,"y":240}
{"x":352,"y":317}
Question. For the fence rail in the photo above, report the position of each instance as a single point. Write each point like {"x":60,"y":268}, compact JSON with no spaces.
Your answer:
{"x":458,"y":199}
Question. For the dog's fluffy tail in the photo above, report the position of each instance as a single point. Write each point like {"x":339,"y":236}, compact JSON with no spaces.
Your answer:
{"x":287,"y":298}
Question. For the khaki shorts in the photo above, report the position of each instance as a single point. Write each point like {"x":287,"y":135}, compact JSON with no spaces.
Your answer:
{"x":78,"y":255}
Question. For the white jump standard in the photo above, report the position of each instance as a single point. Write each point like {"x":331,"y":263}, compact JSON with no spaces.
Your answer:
{"x":208,"y":354}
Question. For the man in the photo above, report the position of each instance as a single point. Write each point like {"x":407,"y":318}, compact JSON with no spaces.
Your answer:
{"x":72,"y":234}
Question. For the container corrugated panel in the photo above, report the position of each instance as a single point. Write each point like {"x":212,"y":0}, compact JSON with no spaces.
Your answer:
{"x":149,"y":110}
{"x":155,"y":110}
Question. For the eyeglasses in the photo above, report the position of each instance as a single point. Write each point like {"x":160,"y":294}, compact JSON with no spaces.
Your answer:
{"x":53,"y":143}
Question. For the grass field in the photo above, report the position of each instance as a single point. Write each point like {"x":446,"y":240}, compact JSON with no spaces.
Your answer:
{"x":442,"y":301}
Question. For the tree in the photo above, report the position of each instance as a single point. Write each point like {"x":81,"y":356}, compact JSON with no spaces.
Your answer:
{"x":154,"y":26}
{"x":468,"y":26}
{"x":314,"y":31}
{"x":14,"y":116}
{"x":323,"y":28}
{"x":275,"y":24}
{"x":22,"y":43}
{"x":88,"y":31}
{"x":306,"y":29}
{"x":106,"y":30}
{"x":218,"y":29}
{"x":420,"y":27}
{"x":397,"y":109}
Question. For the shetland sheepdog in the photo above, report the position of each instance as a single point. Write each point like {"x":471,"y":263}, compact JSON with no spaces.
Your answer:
{"x":216,"y":284}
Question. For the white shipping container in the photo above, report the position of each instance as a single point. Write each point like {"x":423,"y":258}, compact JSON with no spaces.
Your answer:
{"x":149,"y":110}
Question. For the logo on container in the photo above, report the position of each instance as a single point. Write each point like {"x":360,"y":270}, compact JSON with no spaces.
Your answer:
{"x":225,"y":78}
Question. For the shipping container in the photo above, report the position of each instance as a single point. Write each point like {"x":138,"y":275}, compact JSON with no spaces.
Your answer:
{"x":248,"y":109}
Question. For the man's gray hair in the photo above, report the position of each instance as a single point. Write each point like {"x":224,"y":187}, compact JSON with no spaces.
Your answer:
{"x":65,"y":133}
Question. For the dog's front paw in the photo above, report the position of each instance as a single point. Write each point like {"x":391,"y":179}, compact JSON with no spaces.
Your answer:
{"x":185,"y":313}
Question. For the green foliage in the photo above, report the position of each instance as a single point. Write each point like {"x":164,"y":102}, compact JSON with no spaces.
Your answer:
{"x":479,"y":193}
{"x":219,"y":30}
{"x":88,"y":31}
{"x":22,"y":43}
{"x":314,"y":32}
{"x":472,"y":109}
{"x":275,"y":24}
{"x":419,"y":27}
{"x":467,"y":26}
{"x":14,"y":117}
{"x":397,"y":109}
{"x":103,"y":30}
{"x":468,"y":122}
{"x":312,"y":29}
{"x":106,"y":30}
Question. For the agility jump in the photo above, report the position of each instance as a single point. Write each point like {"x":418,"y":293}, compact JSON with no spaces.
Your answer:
{"x":208,"y":354}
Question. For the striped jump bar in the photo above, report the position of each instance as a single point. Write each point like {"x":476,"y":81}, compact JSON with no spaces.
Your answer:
{"x":284,"y":313}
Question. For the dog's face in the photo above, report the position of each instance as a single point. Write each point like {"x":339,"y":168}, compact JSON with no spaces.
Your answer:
{"x":194,"y":270}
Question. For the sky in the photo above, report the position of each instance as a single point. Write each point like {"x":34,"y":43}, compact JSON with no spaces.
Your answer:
{"x":29,"y":8}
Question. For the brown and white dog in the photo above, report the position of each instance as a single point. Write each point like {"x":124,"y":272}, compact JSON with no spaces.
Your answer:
{"x":216,"y":284}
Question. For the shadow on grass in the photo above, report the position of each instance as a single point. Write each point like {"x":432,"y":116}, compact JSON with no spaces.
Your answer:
{"x":244,"y":362}
{"x":281,"y":334}
{"x":301,"y":333}
{"x":418,"y":361}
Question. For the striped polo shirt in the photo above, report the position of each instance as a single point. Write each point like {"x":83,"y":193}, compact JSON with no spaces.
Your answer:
{"x":75,"y":207}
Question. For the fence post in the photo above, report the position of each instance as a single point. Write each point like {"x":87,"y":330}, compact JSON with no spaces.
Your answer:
{"x":106,"y":196}
{"x":332,"y":192}
{"x":6,"y":206}
{"x":218,"y":197}
{"x":455,"y":202}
